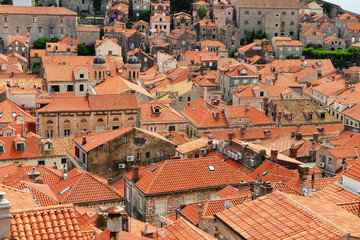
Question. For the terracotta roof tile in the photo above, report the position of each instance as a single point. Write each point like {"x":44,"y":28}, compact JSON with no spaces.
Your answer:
{"x":320,"y":183}
{"x":8,"y":108}
{"x":257,"y":117}
{"x":346,"y":16}
{"x":178,"y":175}
{"x":87,"y":29}
{"x":8,"y":9}
{"x":18,"y":199}
{"x":275,"y":216}
{"x":167,"y":114}
{"x":192,"y":146}
{"x":336,"y":194}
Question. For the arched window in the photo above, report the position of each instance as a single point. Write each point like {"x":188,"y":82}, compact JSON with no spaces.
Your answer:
{"x":49,"y":122}
{"x":115,"y":119}
{"x":100,"y":120}
{"x":130,"y":119}
{"x":66,"y":121}
{"x":83,"y":121}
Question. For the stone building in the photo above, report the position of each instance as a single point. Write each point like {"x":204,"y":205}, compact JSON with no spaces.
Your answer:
{"x":206,"y":30}
{"x":284,"y":46}
{"x":118,"y":150}
{"x":36,"y":22}
{"x":260,"y":47}
{"x":108,"y":47}
{"x":84,"y":7}
{"x":182,"y":40}
{"x":182,"y":21}
{"x":87,"y":34}
{"x":68,"y":115}
{"x":312,"y":36}
{"x":230,"y":36}
{"x":160,"y":7}
{"x":161,"y":24}
{"x":19,"y":45}
{"x":142,"y":26}
{"x":329,"y":29}
{"x":145,"y":60}
{"x":333,"y":43}
{"x":162,"y":188}
{"x":342,"y":20}
{"x":136,"y":6}
{"x":352,"y":34}
{"x":275,"y":17}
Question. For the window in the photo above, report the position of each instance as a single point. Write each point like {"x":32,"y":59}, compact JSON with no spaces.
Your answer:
{"x":47,"y":147}
{"x":258,"y":22}
{"x":49,"y":133}
{"x":51,"y":30}
{"x":81,"y":87}
{"x":29,"y":29}
{"x":67,"y":132}
{"x":160,"y":208}
{"x":138,"y":156}
{"x":20,"y":146}
{"x":189,"y":98}
{"x":292,"y":13}
{"x":153,"y":129}
{"x":34,"y":19}
{"x":330,"y":161}
{"x":147,"y":155}
{"x":70,"y":88}
{"x":100,"y":120}
{"x":41,"y":162}
{"x":55,"y":88}
{"x":190,"y":199}
{"x":246,"y":12}
{"x":171,"y":128}
{"x":83,"y":158}
{"x":81,"y":75}
{"x":259,"y":12}
{"x":282,"y":23}
{"x":63,"y":161}
{"x":77,"y":152}
{"x":67,"y":122}
{"x":291,"y":23}
{"x":130,"y":119}
{"x":246,"y":22}
{"x":283,"y":13}
{"x":5,"y":19}
{"x":261,"y":94}
{"x":61,"y":31}
{"x":2,"y":149}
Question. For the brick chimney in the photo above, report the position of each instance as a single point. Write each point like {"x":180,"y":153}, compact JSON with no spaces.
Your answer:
{"x":4,"y":217}
{"x":292,"y":134}
{"x":293,"y":152}
{"x":84,"y":140}
{"x":316,"y":137}
{"x":135,"y":173}
{"x":274,"y":155}
{"x":298,"y":136}
{"x":265,"y":188}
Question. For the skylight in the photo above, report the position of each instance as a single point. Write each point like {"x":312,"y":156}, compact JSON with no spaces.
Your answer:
{"x":65,"y":190}
{"x":211,"y":168}
{"x":264,"y":173}
{"x":153,"y":169}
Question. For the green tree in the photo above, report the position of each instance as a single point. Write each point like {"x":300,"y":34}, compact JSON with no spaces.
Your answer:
{"x":180,"y":6}
{"x":54,"y":39}
{"x":82,"y":50}
{"x":96,"y":6}
{"x":145,"y":15}
{"x":41,"y":43}
{"x":251,"y":35}
{"x":201,"y":12}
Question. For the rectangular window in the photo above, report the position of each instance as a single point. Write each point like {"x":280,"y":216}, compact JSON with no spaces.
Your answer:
{"x":258,"y":22}
{"x":49,"y":134}
{"x":138,"y":156}
{"x":147,"y":155}
{"x":246,"y":12}
{"x":292,"y":13}
{"x":246,"y":22}
{"x":17,"y":30}
{"x":55,"y":88}
{"x":63,"y":161}
{"x":2,"y":149}
{"x":84,"y":158}
{"x":20,"y":147}
{"x":77,"y":152}
{"x":67,"y":132}
{"x":190,"y":199}
{"x":70,"y":88}
{"x":5,"y":19}
{"x":259,"y":12}
{"x":160,"y":208}
{"x":81,"y":87}
{"x":171,"y":128}
{"x":284,"y":13}
{"x":51,"y":30}
{"x":292,"y":23}
{"x":261,"y":94}
{"x":41,"y":162}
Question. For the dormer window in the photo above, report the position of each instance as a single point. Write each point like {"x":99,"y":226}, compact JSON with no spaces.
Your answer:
{"x":20,"y":146}
{"x":310,"y":116}
{"x":47,"y":146}
{"x":20,"y":118}
{"x":157,"y":110}
{"x":261,"y":94}
{"x":2,"y":148}
{"x":243,"y":72}
{"x":322,"y":115}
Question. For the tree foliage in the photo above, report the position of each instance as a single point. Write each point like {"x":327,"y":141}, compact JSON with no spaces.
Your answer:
{"x":145,"y":15}
{"x":82,"y":50}
{"x":251,"y":35}
{"x":340,"y":58}
{"x":96,"y":6}
{"x":201,"y":12}
{"x":41,"y":42}
{"x":177,"y":6}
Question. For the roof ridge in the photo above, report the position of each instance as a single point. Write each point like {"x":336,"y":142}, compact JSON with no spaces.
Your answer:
{"x":313,"y":213}
{"x":41,"y":208}
{"x":107,"y":185}
{"x":57,"y":201}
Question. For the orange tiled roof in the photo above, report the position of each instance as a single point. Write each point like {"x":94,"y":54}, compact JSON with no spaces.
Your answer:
{"x":180,"y":175}
{"x":344,"y":152}
{"x":206,"y":23}
{"x":353,"y":27}
{"x":256,"y":116}
{"x":8,"y":9}
{"x":346,"y":16}
{"x":83,"y":188}
{"x":320,"y":183}
{"x":7,"y":109}
{"x":167,"y":115}
{"x":353,"y":172}
{"x":273,"y":172}
{"x":336,"y":194}
{"x":41,"y":192}
{"x":192,"y":146}
{"x":276,"y":216}
{"x":87,"y":29}
{"x":56,"y":222}
{"x":181,"y":229}
{"x":18,"y":199}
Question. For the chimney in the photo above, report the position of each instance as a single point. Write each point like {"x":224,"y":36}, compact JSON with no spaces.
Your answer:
{"x":303,"y":171}
{"x":274,"y":154}
{"x":135,"y":173}
{"x":293,"y":152}
{"x":118,"y":221}
{"x":265,"y":188}
{"x":84,"y":140}
{"x":147,"y":232}
{"x":39,"y":180}
{"x":292,"y":133}
{"x":266,"y":103}
{"x":298,"y":136}
{"x":4,"y":217}
{"x":316,"y":137}
{"x":312,"y":181}
{"x":110,"y":180}
{"x":230,"y":135}
{"x":33,"y":175}
{"x":64,"y":175}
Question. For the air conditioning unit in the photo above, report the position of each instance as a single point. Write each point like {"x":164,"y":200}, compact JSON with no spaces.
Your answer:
{"x":121,"y":165}
{"x":229,"y":153}
{"x":252,"y":162}
{"x":213,"y":145}
{"x":322,"y":164}
{"x":240,"y":155}
{"x":203,"y":150}
{"x":130,"y":158}
{"x":235,"y":156}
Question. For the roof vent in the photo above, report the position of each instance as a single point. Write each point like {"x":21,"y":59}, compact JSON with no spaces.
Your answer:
{"x":264,"y":173}
{"x":153,"y":169}
{"x":211,"y":168}
{"x":65,"y":190}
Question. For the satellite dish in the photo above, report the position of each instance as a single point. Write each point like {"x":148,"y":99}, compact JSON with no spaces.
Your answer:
{"x":228,"y":205}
